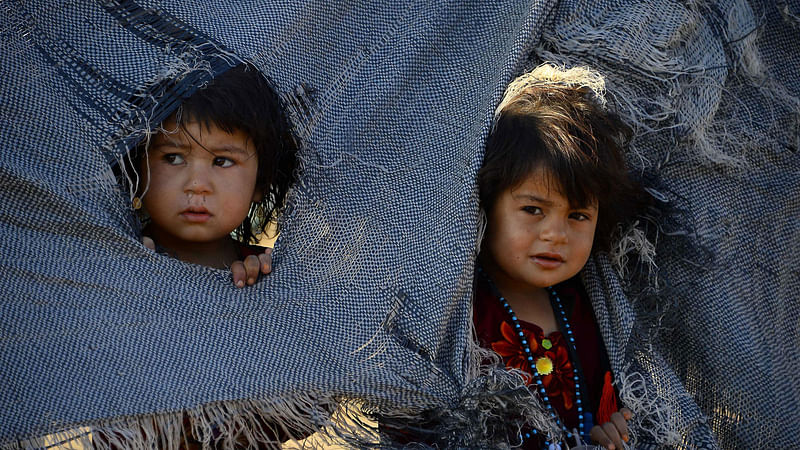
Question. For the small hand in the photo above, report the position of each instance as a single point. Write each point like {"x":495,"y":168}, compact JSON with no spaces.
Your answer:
{"x":250,"y":269}
{"x":611,"y":434}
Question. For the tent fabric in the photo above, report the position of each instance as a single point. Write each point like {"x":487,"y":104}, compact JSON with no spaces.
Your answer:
{"x":370,"y":298}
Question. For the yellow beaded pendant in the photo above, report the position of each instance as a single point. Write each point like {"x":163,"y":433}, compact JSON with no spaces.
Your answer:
{"x":544,"y":365}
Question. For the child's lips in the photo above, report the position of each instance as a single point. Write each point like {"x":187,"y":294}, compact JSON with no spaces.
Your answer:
{"x":548,"y":260}
{"x":195,"y":215}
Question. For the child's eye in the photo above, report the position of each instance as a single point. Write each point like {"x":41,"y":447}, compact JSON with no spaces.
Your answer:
{"x":579,"y":216}
{"x":173,"y":159}
{"x":532,"y":209}
{"x":223,"y":162}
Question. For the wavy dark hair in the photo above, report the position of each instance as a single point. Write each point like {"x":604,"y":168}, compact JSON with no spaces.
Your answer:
{"x":243,"y":99}
{"x":554,"y":119}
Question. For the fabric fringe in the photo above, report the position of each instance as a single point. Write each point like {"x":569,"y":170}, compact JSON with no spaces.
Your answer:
{"x":692,"y":97}
{"x":652,"y":412}
{"x":491,"y":411}
{"x":262,"y":423}
{"x":634,"y":241}
{"x":789,"y":14}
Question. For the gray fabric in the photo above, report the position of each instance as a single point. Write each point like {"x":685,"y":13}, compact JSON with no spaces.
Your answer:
{"x":711,"y":89}
{"x":370,"y":298}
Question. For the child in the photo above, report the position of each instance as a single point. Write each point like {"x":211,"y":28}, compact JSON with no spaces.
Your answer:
{"x":220,"y":165}
{"x":223,"y":162}
{"x":554,"y":186}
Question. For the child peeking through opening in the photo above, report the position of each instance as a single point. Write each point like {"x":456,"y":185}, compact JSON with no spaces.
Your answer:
{"x":554,"y":187}
{"x":216,"y":173}
{"x":209,"y":181}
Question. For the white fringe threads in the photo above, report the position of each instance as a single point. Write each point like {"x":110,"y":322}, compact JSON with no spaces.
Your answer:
{"x":652,"y":407}
{"x":634,"y":240}
{"x":250,"y":423}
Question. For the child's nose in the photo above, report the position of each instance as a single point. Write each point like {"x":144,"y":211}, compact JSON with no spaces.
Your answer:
{"x":554,"y":229}
{"x":198,"y":181}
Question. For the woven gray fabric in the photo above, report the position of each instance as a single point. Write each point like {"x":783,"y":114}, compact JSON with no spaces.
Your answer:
{"x":711,"y":89}
{"x":370,"y":297}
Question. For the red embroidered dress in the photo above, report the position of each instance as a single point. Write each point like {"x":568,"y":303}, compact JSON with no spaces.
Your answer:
{"x":496,"y":331}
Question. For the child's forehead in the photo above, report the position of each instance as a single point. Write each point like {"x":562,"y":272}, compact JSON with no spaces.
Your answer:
{"x":542,"y":176}
{"x":208,"y":135}
{"x":550,"y":182}
{"x":174,"y":126}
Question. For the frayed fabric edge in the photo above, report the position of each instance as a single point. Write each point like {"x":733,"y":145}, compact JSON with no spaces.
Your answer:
{"x":652,"y":412}
{"x":495,"y":405}
{"x":261,"y":423}
{"x":654,"y":420}
{"x":491,"y":411}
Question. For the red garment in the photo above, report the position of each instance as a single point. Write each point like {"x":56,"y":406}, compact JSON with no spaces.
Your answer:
{"x":495,"y":331}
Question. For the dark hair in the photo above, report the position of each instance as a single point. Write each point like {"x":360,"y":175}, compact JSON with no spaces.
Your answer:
{"x":563,"y":129}
{"x":243,"y":99}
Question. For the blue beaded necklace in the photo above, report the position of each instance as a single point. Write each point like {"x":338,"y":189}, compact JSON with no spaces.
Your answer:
{"x":561,"y":317}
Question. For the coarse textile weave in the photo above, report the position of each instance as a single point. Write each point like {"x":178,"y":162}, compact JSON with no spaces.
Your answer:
{"x":373,"y":271}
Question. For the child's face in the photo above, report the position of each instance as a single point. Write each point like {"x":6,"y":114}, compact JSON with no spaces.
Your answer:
{"x":534,"y":238}
{"x":202,"y":181}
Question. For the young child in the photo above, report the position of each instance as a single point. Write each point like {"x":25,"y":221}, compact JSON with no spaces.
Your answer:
{"x":554,"y":186}
{"x":212,"y":178}
{"x":223,"y":162}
